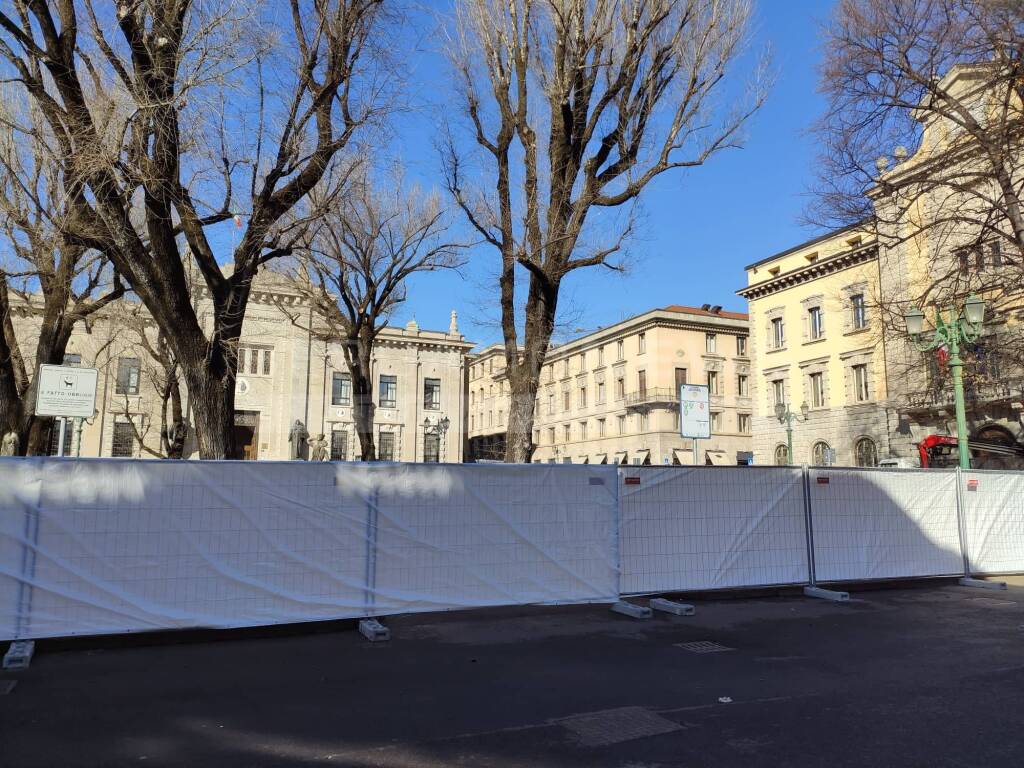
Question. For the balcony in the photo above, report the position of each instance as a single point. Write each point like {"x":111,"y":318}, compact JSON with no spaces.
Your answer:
{"x":975,"y":393}
{"x":652,"y":398}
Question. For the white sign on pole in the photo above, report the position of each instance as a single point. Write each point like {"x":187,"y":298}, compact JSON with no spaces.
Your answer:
{"x":64,"y":390}
{"x":694,"y":412}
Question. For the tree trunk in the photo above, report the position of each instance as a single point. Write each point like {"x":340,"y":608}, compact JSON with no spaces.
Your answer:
{"x":359,"y":366}
{"x":213,"y":409}
{"x":524,"y":373}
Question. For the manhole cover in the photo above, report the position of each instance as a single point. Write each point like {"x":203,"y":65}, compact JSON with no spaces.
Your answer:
{"x":704,"y":646}
{"x":6,"y":686}
{"x":597,"y":729}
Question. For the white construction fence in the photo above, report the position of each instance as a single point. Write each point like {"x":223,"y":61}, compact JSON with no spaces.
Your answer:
{"x":93,"y":546}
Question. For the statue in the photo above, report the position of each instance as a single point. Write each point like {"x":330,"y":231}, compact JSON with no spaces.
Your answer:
{"x":10,"y":445}
{"x":319,"y":447}
{"x":298,"y":437}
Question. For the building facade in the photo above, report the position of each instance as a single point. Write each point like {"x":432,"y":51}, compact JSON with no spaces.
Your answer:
{"x":817,"y":341}
{"x":285,"y":375}
{"x":612,"y":396}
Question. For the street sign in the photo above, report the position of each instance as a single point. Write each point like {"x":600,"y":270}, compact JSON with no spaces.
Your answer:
{"x":694,"y":412}
{"x":65,"y":390}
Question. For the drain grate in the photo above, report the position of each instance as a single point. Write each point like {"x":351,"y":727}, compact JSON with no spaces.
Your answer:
{"x":598,"y":729}
{"x":704,"y":646}
{"x":6,"y":686}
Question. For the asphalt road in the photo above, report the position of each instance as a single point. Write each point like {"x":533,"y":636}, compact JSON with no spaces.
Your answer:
{"x":931,"y":675}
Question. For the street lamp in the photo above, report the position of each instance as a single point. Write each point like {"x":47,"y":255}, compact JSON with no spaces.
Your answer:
{"x":440,"y":429}
{"x":950,"y":331}
{"x":787,"y":417}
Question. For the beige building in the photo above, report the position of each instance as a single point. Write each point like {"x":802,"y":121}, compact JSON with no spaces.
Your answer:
{"x":816,"y":340}
{"x":612,"y":396}
{"x":284,"y":376}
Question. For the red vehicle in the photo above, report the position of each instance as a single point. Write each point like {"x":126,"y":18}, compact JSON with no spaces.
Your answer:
{"x":941,"y":451}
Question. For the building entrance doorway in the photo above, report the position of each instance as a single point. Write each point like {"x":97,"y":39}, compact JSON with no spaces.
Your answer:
{"x":247,"y":435}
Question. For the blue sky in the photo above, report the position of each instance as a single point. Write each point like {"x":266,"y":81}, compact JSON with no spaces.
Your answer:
{"x":700,"y":227}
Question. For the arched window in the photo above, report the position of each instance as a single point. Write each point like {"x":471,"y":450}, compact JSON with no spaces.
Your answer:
{"x":866,"y":452}
{"x":819,"y":453}
{"x":781,"y":455}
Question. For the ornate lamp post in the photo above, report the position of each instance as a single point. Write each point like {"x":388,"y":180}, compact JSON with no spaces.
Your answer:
{"x":440,"y":429}
{"x":787,"y":417}
{"x":951,"y":329}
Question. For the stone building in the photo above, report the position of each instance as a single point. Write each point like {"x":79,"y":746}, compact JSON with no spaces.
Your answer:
{"x":285,"y":374}
{"x":612,"y":396}
{"x":816,"y":340}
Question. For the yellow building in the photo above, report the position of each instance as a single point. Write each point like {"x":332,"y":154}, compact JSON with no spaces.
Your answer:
{"x":816,"y":341}
{"x":612,"y":396}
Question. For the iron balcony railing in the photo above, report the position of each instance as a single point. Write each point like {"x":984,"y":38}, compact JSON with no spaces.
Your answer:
{"x":974,"y":392}
{"x":654,"y":396}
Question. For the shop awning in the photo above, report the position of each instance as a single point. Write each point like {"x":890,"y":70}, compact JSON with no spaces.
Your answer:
{"x":621,"y":457}
{"x":682,"y":455}
{"x":719,"y":459}
{"x":584,"y":460}
{"x":641,"y":456}
{"x":601,"y":458}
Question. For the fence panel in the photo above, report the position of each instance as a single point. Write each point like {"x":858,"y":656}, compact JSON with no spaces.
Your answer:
{"x":711,"y":528}
{"x":494,"y":535}
{"x":137,"y":545}
{"x":994,"y":521}
{"x":882,"y":524}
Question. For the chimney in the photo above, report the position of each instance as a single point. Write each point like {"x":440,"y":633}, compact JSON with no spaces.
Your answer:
{"x":716,"y":309}
{"x":705,"y":307}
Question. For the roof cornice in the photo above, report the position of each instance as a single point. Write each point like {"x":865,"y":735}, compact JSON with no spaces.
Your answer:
{"x":828,"y":266}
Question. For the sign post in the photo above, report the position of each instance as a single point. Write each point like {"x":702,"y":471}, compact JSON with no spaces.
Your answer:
{"x":69,"y":392}
{"x":694,"y":414}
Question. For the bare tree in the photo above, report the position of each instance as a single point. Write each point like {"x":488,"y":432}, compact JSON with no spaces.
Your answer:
{"x":173,"y":116}
{"x":54,"y":279}
{"x":937,"y":85}
{"x":355,"y":269}
{"x":575,"y":107}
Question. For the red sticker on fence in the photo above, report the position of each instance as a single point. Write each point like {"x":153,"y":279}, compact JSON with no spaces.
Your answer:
{"x":632,"y":481}
{"x":822,"y":480}
{"x":972,"y":485}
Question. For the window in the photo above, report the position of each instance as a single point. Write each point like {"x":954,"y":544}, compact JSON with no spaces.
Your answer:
{"x":644,"y":420}
{"x":388,"y":392}
{"x":565,"y":400}
{"x":742,"y":385}
{"x":860,"y":313}
{"x":472,"y":397}
{"x":61,"y":426}
{"x":622,"y":425}
{"x":600,"y":392}
{"x":600,"y":427}
{"x":254,"y":361}
{"x":551,"y":403}
{"x":386,"y":451}
{"x":641,"y":382}
{"x":583,"y":361}
{"x":472,"y":422}
{"x":431,"y":394}
{"x":815,"y":323}
{"x":641,"y":343}
{"x":565,"y":367}
{"x":431,"y":448}
{"x":266,"y":362}
{"x":819,"y":454}
{"x":860,"y":383}
{"x":341,"y":389}
{"x":743,"y":423}
{"x":866,"y":453}
{"x":551,"y":435}
{"x":583,"y":397}
{"x":817,"y":385}
{"x":123,"y":443}
{"x":741,"y":346}
{"x":567,"y":432}
{"x":490,"y":365}
{"x":716,"y":421}
{"x":501,"y":417}
{"x":600,"y":355}
{"x":713,"y":382}
{"x":710,"y":343}
{"x":620,"y":388}
{"x":72,"y":359}
{"x":339,"y":445}
{"x":778,"y":333}
{"x":680,"y":374}
{"x":536,"y":437}
{"x":490,"y":418}
{"x":583,"y":430}
{"x":620,"y":350}
{"x":781,"y":455}
{"x":127,"y":376}
{"x":778,"y":391}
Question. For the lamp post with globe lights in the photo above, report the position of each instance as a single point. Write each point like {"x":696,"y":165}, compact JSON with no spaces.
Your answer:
{"x":787,"y":417}
{"x":952,"y":328}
